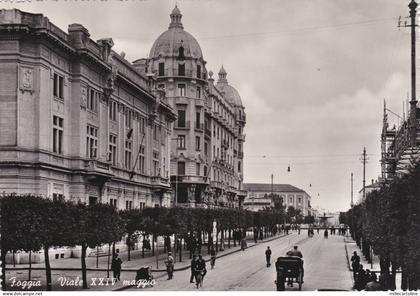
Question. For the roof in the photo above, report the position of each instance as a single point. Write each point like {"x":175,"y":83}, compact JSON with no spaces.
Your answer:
{"x":169,"y":42}
{"x":266,"y":187}
{"x":231,"y":93}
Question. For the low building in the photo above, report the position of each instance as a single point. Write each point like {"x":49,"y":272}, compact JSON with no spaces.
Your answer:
{"x":259,"y":197}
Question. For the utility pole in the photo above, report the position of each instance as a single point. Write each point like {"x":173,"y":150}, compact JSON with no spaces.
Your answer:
{"x":272,"y":176}
{"x":364,"y":159}
{"x":413,"y":103}
{"x":351,"y":202}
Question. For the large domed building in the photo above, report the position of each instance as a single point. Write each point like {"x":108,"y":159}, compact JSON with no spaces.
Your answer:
{"x":206,"y":151}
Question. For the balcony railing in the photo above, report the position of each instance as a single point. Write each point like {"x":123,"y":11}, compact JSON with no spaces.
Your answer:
{"x":199,"y":126}
{"x":182,"y":125}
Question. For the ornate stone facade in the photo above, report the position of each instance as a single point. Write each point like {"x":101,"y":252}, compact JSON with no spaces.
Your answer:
{"x":78,"y":121}
{"x":207,"y":146}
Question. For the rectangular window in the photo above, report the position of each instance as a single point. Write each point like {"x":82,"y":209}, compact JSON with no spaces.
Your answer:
{"x":181,"y":168}
{"x":181,"y":90}
{"x":205,"y":149}
{"x":58,"y":197}
{"x":128,"y":151}
{"x":113,"y":202}
{"x":205,"y":171}
{"x":197,"y":169}
{"x":197,"y":143}
{"x":142,"y":123}
{"x":181,"y":142}
{"x":198,"y":92}
{"x":142,"y":205}
{"x":181,"y":69}
{"x":128,"y":204}
{"x":141,"y":167}
{"x":197,"y":120}
{"x":198,"y":71}
{"x":92,"y":100}
{"x":155,"y":132}
{"x":113,"y":110}
{"x":58,"y":130}
{"x":91,"y":141}
{"x":129,"y":119}
{"x":58,"y":86}
{"x":113,"y":149}
{"x":181,"y":118}
{"x":161,"y":69}
{"x":156,"y":168}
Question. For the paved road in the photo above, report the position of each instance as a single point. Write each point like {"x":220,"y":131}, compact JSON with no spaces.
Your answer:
{"x":325,"y":267}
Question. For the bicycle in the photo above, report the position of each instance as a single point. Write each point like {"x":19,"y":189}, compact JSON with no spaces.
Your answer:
{"x":199,"y":279}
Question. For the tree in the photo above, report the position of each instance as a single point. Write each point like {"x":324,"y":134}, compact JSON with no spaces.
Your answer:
{"x":96,"y":224}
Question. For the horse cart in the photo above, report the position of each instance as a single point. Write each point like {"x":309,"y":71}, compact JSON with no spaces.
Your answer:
{"x":289,"y":270}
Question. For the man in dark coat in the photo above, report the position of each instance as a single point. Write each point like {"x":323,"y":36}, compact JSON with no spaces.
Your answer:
{"x":194,"y":258}
{"x":355,"y":264}
{"x":200,"y":266}
{"x":268,"y":256}
{"x":116,"y":266}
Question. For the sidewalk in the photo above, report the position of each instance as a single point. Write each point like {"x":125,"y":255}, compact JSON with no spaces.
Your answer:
{"x":351,"y":247}
{"x":66,"y":273}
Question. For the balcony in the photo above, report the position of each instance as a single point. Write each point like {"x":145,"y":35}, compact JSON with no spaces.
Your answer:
{"x":158,"y":181}
{"x":199,"y":127}
{"x":182,"y":125}
{"x":217,"y":184}
{"x":240,"y":154}
{"x":99,"y":171}
{"x":241,"y":137}
{"x":190,"y":179}
{"x":207,"y":132}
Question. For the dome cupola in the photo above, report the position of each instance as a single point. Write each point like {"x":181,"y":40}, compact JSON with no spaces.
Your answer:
{"x":176,"y":42}
{"x":230,"y":92}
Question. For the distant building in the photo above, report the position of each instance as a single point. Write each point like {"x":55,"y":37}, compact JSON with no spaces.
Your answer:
{"x":375,"y":185}
{"x":259,"y":197}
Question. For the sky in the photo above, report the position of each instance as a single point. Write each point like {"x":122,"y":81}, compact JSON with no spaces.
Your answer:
{"x":312,"y":75}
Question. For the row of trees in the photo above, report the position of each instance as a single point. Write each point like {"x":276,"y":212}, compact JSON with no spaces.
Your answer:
{"x":31,"y":223}
{"x":387,"y":222}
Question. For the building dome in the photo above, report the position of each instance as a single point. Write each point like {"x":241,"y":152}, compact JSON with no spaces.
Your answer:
{"x":231,"y":93}
{"x":170,"y":41}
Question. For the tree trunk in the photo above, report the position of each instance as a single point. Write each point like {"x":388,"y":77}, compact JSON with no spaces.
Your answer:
{"x":180,"y":249}
{"x":109,"y":256}
{"x":30,"y":265}
{"x":153,"y":244}
{"x":14,"y":260}
{"x":404,"y":279}
{"x":128,"y":247}
{"x":229,"y":237}
{"x":393,"y":281}
{"x":83,"y":260}
{"x":210,"y":242}
{"x":3,"y":269}
{"x":47,"y":268}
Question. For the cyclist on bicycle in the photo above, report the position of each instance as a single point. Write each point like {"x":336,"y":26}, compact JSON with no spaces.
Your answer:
{"x":200,"y":267}
{"x":212,"y":257}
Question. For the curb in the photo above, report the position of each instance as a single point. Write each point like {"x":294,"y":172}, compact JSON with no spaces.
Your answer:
{"x":189,"y":266}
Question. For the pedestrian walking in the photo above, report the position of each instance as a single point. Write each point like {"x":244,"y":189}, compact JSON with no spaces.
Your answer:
{"x":268,"y":256}
{"x":355,"y":264}
{"x":116,"y":266}
{"x":170,"y":266}
{"x":194,"y":258}
{"x":243,"y":244}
